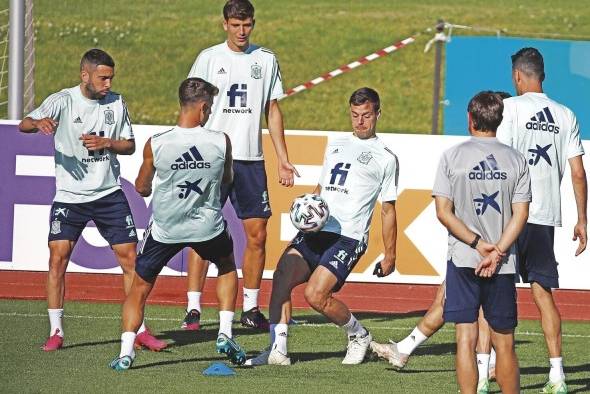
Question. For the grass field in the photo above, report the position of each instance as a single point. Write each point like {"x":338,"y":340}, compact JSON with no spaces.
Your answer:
{"x":155,"y":42}
{"x":317,"y":348}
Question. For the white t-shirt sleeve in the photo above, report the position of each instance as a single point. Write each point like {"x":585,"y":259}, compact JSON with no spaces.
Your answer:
{"x":522,"y":191}
{"x":126,"y":132}
{"x":390,"y":180}
{"x":574,"y":146}
{"x":50,"y":108}
{"x":504,"y":132}
{"x":199,"y":68}
{"x":442,"y":181}
{"x":276,"y":82}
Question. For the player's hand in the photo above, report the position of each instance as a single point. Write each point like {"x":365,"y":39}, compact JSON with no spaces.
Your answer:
{"x":484,"y":248}
{"x":581,"y":235}
{"x":46,"y":125}
{"x":488,"y":266}
{"x":286,"y":174}
{"x":94,"y":142}
{"x":385,"y":267}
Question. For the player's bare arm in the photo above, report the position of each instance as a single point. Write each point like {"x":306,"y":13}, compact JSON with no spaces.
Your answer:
{"x":274,"y":120}
{"x":581,"y":195}
{"x":520,"y":214}
{"x":143,"y":183}
{"x":389,"y":232}
{"x":120,"y":147}
{"x":445,"y":214}
{"x":228,"y":169}
{"x":46,"y":125}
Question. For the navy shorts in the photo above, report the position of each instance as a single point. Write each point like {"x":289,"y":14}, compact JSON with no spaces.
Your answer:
{"x":465,"y":292}
{"x":154,"y":255}
{"x":248,"y":192}
{"x":336,"y":252}
{"x":111,"y":215}
{"x":536,"y":259}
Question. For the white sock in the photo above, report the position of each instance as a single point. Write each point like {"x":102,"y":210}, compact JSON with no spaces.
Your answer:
{"x":142,"y":328}
{"x":483,"y":363}
{"x":127,"y":342}
{"x":250,"y":299}
{"x":411,"y":342}
{"x":194,"y":300}
{"x":281,"y":332}
{"x":55,"y":322}
{"x":493,"y":358}
{"x":226,"y":319}
{"x":556,"y":372}
{"x":353,"y":327}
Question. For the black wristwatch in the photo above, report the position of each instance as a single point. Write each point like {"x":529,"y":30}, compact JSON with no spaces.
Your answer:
{"x":473,"y":244}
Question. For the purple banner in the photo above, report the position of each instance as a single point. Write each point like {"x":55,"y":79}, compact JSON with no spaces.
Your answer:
{"x":40,"y":190}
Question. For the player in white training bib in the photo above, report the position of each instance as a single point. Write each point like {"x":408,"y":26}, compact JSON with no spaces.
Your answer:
{"x":249,"y":81}
{"x":90,"y":126}
{"x":358,"y":170}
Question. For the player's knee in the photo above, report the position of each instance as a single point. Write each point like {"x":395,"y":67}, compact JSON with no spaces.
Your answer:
{"x":316,"y":299}
{"x":257,"y":239}
{"x":58,"y":263}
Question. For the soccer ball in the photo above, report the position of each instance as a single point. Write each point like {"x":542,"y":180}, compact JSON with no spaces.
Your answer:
{"x":309,"y":213}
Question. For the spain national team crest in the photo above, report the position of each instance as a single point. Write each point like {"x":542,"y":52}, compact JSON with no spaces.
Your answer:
{"x":109,"y":116}
{"x":256,"y":71}
{"x":365,"y":157}
{"x":55,"y":227}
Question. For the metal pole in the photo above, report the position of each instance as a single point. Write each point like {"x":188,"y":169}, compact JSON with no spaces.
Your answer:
{"x":440,"y":25}
{"x":16,"y":56}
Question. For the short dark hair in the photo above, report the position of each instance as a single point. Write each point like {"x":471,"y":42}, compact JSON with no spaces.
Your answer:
{"x":238,"y":9}
{"x":502,"y":94}
{"x":530,"y":62}
{"x":193,"y":90}
{"x":97,"y":57}
{"x":486,"y":110}
{"x":362,"y":95}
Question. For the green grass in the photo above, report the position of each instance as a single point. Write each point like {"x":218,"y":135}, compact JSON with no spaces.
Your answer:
{"x":317,"y":348}
{"x":155,"y":42}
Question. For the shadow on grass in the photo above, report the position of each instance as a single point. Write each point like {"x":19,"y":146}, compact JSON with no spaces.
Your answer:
{"x":185,"y":337}
{"x":570,"y":369}
{"x":178,"y":361}
{"x":88,"y":344}
{"x":303,"y":357}
{"x":376,"y":316}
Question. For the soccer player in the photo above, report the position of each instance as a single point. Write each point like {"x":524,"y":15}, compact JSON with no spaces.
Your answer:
{"x":547,"y":133}
{"x":249,"y":79}
{"x":357,"y":170}
{"x":189,"y":163}
{"x":482,"y":192}
{"x":90,"y":126}
{"x":399,"y":353}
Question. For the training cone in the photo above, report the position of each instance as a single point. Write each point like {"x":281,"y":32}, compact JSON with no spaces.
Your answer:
{"x":219,"y":369}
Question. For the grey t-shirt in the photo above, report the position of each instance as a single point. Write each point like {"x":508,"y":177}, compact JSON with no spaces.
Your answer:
{"x":482,"y":177}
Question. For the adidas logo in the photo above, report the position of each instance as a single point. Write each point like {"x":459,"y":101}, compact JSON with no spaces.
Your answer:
{"x":78,"y":120}
{"x":334,"y":264}
{"x":487,"y":169}
{"x":132,"y":233}
{"x":543,"y":121}
{"x":221,"y":71}
{"x":190,"y":160}
{"x":335,"y":151}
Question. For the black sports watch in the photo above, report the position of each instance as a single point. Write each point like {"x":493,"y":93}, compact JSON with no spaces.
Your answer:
{"x":473,"y":243}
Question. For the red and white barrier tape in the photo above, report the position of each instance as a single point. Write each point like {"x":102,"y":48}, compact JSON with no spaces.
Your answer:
{"x":346,"y":68}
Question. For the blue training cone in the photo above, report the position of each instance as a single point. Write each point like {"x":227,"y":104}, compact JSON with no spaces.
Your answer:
{"x":219,"y":369}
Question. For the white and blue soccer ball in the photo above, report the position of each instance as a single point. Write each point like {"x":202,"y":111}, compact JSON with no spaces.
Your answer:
{"x":309,"y":213}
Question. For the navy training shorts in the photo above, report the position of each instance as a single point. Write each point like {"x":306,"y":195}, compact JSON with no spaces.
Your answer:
{"x":337,"y":253}
{"x":248,"y":192}
{"x":465,"y":292}
{"x":154,"y":255}
{"x":111,"y":215}
{"x":536,"y":259}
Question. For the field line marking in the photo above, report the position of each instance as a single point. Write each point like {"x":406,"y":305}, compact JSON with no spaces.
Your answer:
{"x":319,"y":325}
